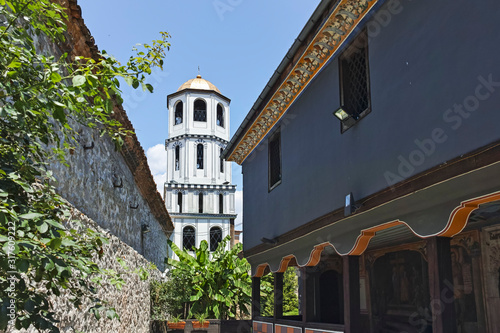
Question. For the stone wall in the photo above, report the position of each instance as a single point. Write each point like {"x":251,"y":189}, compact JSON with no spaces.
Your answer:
{"x":99,"y":183}
{"x":132,"y":302}
{"x":113,"y":188}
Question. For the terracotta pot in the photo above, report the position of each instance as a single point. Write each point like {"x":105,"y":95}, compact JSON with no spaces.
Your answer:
{"x":176,"y":326}
{"x":197,"y":324}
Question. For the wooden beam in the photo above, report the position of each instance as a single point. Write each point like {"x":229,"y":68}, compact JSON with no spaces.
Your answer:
{"x":441,"y":285}
{"x":255,"y":297}
{"x":278,"y":296}
{"x":352,"y":315}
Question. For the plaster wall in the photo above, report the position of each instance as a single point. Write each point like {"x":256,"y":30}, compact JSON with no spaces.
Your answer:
{"x":435,"y":91}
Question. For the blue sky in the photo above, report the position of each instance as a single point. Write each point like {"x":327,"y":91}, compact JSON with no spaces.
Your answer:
{"x":237,"y":44}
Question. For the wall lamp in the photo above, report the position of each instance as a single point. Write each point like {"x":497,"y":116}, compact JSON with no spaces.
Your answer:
{"x":345,"y":117}
{"x":350,"y":207}
{"x":265,"y":240}
{"x":145,"y":229}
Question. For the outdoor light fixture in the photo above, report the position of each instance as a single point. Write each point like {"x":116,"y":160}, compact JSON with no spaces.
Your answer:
{"x":350,"y":207}
{"x":345,"y":117}
{"x":265,"y":240}
{"x":145,"y":229}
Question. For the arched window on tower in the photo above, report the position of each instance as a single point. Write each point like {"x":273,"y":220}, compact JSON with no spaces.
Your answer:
{"x":200,"y":110}
{"x":221,"y":203}
{"x":221,"y":161}
{"x":220,"y":115}
{"x":199,"y":156}
{"x":177,"y":157}
{"x":179,"y":201}
{"x":215,"y":238}
{"x":179,"y":113}
{"x":188,"y":238}
{"x":200,"y":203}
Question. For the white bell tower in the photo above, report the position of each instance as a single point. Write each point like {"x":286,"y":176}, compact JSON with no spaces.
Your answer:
{"x":198,"y":193}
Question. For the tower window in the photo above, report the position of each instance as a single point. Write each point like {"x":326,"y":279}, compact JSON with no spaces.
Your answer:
{"x":178,"y":113}
{"x":274,"y":160}
{"x":215,"y":238}
{"x":199,"y":156}
{"x":220,"y":115}
{"x":354,"y":79}
{"x":200,"y":110}
{"x":221,"y":161}
{"x":179,"y":201}
{"x":188,"y":238}
{"x":221,"y":203}
{"x":177,"y":157}
{"x":200,"y":203}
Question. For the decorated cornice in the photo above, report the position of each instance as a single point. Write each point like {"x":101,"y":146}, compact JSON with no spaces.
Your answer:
{"x":334,"y":32}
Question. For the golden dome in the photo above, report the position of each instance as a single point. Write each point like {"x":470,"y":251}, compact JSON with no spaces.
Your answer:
{"x":200,"y":84}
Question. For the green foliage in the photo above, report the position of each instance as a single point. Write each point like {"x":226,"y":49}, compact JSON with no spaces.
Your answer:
{"x":218,"y":283}
{"x":45,"y":250}
{"x":290,"y":298}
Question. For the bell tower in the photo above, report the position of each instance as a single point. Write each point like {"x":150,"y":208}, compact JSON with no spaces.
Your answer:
{"x":198,"y":192}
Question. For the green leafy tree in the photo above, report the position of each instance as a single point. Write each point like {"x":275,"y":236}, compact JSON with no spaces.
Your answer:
{"x":42,"y":97}
{"x":290,"y":290}
{"x":219,"y":283}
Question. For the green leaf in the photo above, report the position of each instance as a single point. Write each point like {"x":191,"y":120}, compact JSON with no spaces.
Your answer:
{"x":43,"y":228}
{"x":55,"y":77}
{"x":31,"y":216}
{"x":79,"y":80}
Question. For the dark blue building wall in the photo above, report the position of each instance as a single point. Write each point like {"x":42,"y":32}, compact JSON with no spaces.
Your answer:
{"x":427,"y":59}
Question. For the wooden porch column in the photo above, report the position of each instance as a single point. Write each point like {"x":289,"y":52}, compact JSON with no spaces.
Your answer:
{"x":255,"y":297}
{"x":441,"y":285}
{"x":309,"y":294}
{"x":278,"y":296}
{"x":352,"y":316}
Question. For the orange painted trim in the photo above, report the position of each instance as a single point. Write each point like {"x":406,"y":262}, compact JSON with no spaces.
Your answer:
{"x":460,"y":215}
{"x":456,"y":223}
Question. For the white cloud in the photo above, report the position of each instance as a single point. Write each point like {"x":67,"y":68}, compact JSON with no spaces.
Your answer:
{"x":157,"y":160}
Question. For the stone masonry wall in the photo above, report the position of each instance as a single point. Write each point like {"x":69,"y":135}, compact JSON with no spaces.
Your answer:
{"x":132,"y":302}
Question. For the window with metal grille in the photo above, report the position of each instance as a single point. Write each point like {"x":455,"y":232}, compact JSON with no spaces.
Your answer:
{"x":220,"y":115}
{"x":200,"y":110}
{"x":188,"y":238}
{"x":178,"y":113}
{"x":354,"y":79}
{"x":221,"y":161}
{"x":200,"y":203}
{"x":199,"y":156}
{"x":215,"y":238}
{"x":177,"y":157}
{"x":221,"y":203}
{"x":179,"y":201}
{"x":275,"y":160}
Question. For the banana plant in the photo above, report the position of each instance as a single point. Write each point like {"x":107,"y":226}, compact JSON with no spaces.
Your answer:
{"x":220,"y":281}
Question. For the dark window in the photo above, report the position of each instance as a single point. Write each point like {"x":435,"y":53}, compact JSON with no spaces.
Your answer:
{"x":179,"y":201}
{"x":199,"y":156}
{"x":200,"y":203}
{"x":177,"y":157}
{"x":221,"y":161}
{"x":215,"y":238}
{"x":275,"y":160}
{"x":221,"y":203}
{"x":178,"y":113}
{"x":220,"y":115}
{"x":354,"y":79}
{"x":200,"y":110}
{"x":188,"y":238}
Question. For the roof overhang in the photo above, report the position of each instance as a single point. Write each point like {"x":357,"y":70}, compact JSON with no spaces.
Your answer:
{"x":199,"y":91}
{"x":324,"y":35}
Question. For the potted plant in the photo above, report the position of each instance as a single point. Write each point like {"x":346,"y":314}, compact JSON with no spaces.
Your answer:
{"x":176,"y":323}
{"x":201,"y":321}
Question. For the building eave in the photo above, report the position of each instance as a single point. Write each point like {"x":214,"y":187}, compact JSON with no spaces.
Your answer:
{"x":324,"y":35}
